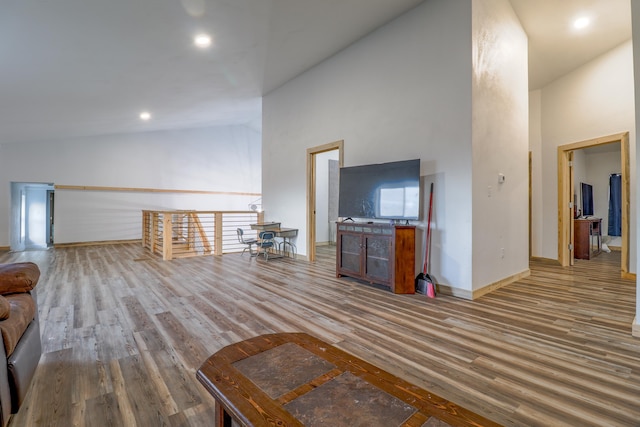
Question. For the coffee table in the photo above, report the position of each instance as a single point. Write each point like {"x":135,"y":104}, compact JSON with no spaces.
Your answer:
{"x":294,"y":379}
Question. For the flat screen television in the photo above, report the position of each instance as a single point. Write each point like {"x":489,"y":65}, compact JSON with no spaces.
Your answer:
{"x":380,"y":191}
{"x":586,"y":191}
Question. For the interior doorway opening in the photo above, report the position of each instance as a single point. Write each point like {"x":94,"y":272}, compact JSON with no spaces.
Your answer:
{"x":566,"y":201}
{"x":312,"y":193}
{"x":32,"y":216}
{"x":327,"y":189}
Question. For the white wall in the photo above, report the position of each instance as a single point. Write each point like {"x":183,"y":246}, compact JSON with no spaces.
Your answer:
{"x":207,"y":159}
{"x":580,"y":174}
{"x":404,"y":92}
{"x":593,"y":101}
{"x":535,"y":147}
{"x":500,"y":144}
{"x":635,"y":24}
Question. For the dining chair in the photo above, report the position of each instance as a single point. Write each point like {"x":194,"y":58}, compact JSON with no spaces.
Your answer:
{"x":266,"y":241}
{"x":247,"y":242}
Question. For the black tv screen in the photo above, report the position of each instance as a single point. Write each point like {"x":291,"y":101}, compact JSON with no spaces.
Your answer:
{"x":587,"y":198}
{"x":384,"y":190}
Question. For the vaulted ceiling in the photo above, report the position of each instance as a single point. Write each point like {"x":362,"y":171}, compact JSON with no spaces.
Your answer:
{"x":74,"y":68}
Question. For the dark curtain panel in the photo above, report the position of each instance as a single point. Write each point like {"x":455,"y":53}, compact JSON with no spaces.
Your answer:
{"x":615,"y":205}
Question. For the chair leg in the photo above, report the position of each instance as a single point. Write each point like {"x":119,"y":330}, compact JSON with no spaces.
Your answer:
{"x":250,"y":248}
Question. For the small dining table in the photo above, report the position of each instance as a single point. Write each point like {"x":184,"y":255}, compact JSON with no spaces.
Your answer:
{"x":286,"y":234}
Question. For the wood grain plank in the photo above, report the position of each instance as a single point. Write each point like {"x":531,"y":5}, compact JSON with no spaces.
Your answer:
{"x":103,"y":411}
{"x":124,"y":332}
{"x":146,"y":405}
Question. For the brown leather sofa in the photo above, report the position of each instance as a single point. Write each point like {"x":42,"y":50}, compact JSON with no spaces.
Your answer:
{"x":21,"y":344}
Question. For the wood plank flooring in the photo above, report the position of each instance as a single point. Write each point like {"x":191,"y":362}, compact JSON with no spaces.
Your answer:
{"x":124,"y":332}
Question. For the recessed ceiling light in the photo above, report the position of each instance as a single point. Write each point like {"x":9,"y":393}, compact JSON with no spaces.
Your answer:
{"x":202,"y":40}
{"x":145,"y":115}
{"x":581,"y":23}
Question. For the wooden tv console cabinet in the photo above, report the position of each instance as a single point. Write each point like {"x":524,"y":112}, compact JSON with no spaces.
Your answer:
{"x":377,"y":253}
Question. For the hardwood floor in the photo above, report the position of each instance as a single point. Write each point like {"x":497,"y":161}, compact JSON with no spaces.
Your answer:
{"x":124,"y":332}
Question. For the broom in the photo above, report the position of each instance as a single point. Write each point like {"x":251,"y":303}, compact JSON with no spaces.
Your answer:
{"x":424,"y":280}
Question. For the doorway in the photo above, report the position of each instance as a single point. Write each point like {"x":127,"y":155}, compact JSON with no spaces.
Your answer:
{"x":31,"y":216}
{"x":566,"y":201}
{"x":312,"y":154}
{"x":327,"y":189}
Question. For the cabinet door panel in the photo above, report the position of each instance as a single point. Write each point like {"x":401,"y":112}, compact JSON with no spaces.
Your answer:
{"x":377,"y":259}
{"x":349,"y":257}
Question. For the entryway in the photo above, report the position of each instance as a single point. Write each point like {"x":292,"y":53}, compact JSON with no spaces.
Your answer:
{"x":312,"y":169}
{"x":566,"y":199}
{"x":31,"y":215}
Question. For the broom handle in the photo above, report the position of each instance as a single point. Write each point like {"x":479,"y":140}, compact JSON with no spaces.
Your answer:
{"x":428,"y":239}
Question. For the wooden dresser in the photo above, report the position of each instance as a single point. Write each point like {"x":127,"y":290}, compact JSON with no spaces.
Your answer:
{"x":587,"y":237}
{"x":377,"y":253}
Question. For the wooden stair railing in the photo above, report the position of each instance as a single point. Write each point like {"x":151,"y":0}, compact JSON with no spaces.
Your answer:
{"x":177,"y":234}
{"x":201,"y":232}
